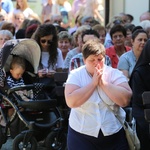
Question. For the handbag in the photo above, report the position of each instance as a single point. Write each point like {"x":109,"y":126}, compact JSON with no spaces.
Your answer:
{"x":130,"y":130}
{"x":132,"y":138}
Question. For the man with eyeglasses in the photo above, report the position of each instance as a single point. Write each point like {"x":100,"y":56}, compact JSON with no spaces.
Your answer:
{"x":118,"y":36}
{"x":77,"y":60}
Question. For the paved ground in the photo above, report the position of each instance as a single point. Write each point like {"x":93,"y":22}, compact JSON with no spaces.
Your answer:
{"x":7,"y":145}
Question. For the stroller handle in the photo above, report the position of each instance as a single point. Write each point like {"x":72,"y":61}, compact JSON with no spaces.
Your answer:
{"x":18,"y":88}
{"x":27,"y":87}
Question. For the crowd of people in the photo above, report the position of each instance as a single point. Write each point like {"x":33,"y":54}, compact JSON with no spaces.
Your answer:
{"x":105,"y":64}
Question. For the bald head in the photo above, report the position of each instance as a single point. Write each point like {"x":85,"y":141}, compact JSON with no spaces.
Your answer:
{"x":145,"y":16}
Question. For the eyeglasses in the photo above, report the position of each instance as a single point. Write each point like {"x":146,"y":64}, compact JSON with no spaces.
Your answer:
{"x":46,"y":41}
{"x":117,"y":22}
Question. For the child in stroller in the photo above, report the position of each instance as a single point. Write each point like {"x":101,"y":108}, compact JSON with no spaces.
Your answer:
{"x":14,"y":77}
{"x":32,"y":121}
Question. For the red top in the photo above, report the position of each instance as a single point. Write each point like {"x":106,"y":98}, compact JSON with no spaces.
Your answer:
{"x":112,"y":54}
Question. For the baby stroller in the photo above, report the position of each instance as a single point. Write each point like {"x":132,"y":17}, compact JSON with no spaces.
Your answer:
{"x":36,"y":122}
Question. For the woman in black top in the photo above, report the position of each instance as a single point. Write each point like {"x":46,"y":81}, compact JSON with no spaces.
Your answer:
{"x":140,"y":82}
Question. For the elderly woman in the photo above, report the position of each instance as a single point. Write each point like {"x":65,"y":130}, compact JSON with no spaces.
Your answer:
{"x":89,"y":91}
{"x":5,"y":35}
{"x":64,"y":42}
{"x":118,"y":36}
{"x":102,"y":32}
{"x":78,"y":41}
{"x":128,"y":60}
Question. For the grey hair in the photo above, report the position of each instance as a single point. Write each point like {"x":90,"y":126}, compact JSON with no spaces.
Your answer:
{"x":64,"y":35}
{"x":6,"y":32}
{"x":145,"y":24}
{"x":80,"y":30}
{"x":85,"y":18}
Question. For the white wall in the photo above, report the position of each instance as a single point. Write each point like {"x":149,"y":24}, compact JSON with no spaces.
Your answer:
{"x":116,"y":6}
{"x":133,"y":7}
{"x":136,"y":8}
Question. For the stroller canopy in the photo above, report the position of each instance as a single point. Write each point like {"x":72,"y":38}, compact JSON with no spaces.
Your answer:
{"x":25,"y":48}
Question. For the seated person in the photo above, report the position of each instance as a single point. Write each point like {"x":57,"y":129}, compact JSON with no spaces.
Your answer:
{"x":14,"y":77}
{"x":64,"y":43}
{"x":77,"y":60}
{"x":118,"y":35}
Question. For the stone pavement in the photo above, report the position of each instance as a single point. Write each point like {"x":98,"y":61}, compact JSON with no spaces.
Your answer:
{"x":8,"y":145}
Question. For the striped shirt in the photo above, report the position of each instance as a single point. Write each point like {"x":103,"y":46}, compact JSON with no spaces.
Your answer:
{"x":11,"y":82}
{"x":77,"y":61}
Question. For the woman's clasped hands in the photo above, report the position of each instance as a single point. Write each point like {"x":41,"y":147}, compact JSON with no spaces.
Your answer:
{"x":97,"y":76}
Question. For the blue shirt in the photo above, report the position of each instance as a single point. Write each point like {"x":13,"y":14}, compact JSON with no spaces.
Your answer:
{"x":127,"y":62}
{"x":7,"y":5}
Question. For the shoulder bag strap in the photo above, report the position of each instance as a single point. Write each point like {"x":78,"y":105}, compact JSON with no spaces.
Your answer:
{"x":110,"y":109}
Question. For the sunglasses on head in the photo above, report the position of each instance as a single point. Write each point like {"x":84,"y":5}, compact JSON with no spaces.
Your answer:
{"x":48,"y":41}
{"x":117,"y":22}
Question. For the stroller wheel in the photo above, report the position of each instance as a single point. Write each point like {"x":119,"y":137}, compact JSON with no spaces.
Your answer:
{"x":56,"y":140}
{"x":19,"y":145}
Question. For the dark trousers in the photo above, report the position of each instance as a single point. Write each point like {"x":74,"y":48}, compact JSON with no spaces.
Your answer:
{"x":143,"y":135}
{"x":78,"y":141}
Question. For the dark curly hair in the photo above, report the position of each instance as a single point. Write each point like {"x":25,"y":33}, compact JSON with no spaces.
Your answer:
{"x":45,"y":30}
{"x":118,"y":28}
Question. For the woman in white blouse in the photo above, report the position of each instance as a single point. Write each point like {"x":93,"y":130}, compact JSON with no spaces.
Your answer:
{"x":89,"y":91}
{"x":51,"y":57}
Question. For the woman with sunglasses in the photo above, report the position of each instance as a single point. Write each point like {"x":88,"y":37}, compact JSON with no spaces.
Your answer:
{"x":51,"y":57}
